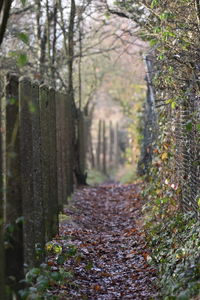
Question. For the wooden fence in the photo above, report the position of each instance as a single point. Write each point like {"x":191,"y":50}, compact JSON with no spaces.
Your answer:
{"x":37,"y":163}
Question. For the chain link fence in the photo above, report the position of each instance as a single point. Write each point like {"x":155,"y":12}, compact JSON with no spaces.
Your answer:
{"x":182,"y":126}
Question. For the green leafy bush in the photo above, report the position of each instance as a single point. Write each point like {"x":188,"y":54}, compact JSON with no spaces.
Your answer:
{"x":175,"y":244}
{"x":41,"y":282}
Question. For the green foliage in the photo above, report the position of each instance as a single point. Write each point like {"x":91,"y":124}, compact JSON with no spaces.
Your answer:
{"x":22,"y":60}
{"x":23,"y":37}
{"x":175,"y":244}
{"x":154,"y":3}
{"x":188,"y":125}
{"x":23,"y":2}
{"x":198,"y":126}
{"x":11,"y":101}
{"x":41,"y":281}
{"x":172,"y":236}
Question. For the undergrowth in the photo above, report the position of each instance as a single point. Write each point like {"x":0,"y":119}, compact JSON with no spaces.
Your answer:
{"x":45,"y":281}
{"x":174,"y":238}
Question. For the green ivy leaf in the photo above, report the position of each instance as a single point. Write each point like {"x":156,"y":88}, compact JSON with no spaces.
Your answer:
{"x":23,"y":37}
{"x":56,"y":276}
{"x":72,"y":250}
{"x":161,"y":57}
{"x":173,"y":105}
{"x":32,"y":107}
{"x":61,"y":259}
{"x":20,"y":220}
{"x":154,"y":3}
{"x":23,"y":2}
{"x":22,"y":60}
{"x":89,"y":266}
{"x":198,"y":126}
{"x":12,"y":101}
{"x":153,"y":42}
{"x":188,"y":126}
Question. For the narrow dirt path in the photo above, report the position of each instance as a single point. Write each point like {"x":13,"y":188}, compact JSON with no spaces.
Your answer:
{"x":103,"y":225}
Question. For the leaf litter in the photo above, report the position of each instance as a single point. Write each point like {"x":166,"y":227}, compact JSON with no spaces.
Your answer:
{"x":106,"y":247}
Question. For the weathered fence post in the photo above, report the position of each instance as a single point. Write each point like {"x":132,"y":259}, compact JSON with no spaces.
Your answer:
{"x":69,"y":144}
{"x":53,"y":196}
{"x":91,"y":151}
{"x":26,"y":152}
{"x":12,"y":182}
{"x":39,"y":223}
{"x":64,"y":147}
{"x":81,"y":140}
{"x":104,"y":163}
{"x":99,"y":141}
{"x":111,"y":142}
{"x":59,"y":151}
{"x":45,"y":156}
{"x":2,"y":257}
{"x":116,"y":145}
{"x":86,"y":133}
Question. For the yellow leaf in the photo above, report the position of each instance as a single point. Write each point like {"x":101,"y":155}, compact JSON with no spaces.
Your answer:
{"x":164,"y":156}
{"x":158,"y":192}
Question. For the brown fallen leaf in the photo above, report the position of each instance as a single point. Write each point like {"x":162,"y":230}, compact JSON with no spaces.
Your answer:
{"x":130,"y":232}
{"x":105,"y":274}
{"x":97,"y":288}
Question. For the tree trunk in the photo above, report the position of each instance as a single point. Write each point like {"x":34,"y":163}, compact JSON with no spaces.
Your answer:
{"x":54,"y":43}
{"x":80,"y":175}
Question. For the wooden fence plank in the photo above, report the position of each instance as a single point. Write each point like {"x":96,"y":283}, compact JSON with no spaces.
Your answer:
{"x":39,"y":223}
{"x":99,"y":144}
{"x":81,"y":139}
{"x":12,"y":183}
{"x":59,"y":151}
{"x":116,"y":145}
{"x":69,"y":145}
{"x":2,"y":257}
{"x":53,"y":195}
{"x":104,"y":163}
{"x":26,"y":151}
{"x":63,"y":147}
{"x":111,"y":143}
{"x":45,"y":155}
